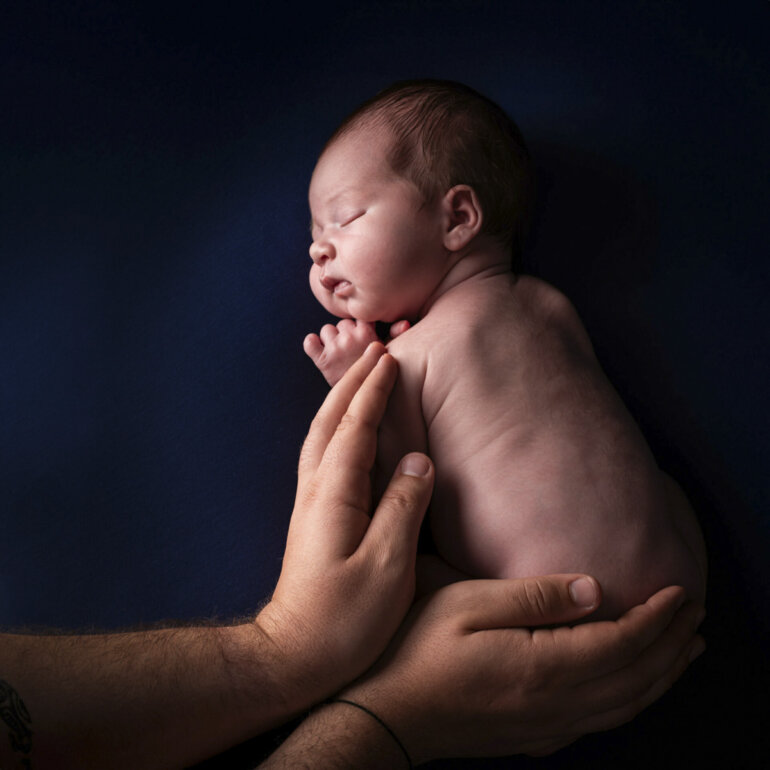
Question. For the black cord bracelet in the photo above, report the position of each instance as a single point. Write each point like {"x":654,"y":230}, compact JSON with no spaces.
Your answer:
{"x":377,"y":719}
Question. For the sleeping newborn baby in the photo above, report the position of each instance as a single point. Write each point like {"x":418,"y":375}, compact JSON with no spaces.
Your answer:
{"x":416,"y":204}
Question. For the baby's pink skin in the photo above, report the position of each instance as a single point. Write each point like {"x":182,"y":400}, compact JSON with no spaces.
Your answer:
{"x":498,"y":381}
{"x":540,"y":469}
{"x":378,"y":249}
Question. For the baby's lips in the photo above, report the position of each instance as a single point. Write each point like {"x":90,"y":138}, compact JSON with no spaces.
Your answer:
{"x":328,"y":282}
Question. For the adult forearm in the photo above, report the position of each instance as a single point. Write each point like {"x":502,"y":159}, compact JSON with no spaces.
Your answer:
{"x":169,"y":698}
{"x":338,"y":737}
{"x":161,"y":698}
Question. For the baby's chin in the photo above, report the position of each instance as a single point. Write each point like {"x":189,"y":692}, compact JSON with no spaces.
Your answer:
{"x":359,"y":311}
{"x":344,"y":309}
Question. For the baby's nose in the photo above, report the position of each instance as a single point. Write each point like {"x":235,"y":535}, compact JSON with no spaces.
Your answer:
{"x":320,"y":251}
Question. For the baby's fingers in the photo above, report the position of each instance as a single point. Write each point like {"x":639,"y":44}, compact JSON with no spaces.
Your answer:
{"x":328,"y":333}
{"x":398,"y":328}
{"x":313,"y":346}
{"x":346,"y":326}
{"x":366,"y":331}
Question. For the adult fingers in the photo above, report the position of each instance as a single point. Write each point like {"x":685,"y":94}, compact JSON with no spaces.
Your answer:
{"x":618,"y":697}
{"x":626,"y":712}
{"x":351,"y":450}
{"x":335,"y":405}
{"x":606,"y":647}
{"x":526,"y":602}
{"x":548,"y":746}
{"x":342,"y":488}
{"x":395,"y":525}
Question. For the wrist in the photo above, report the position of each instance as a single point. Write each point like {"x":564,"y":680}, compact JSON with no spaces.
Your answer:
{"x":336,"y":736}
{"x":260,"y":676}
{"x":403,"y":722}
{"x":407,"y":760}
{"x":296,"y":670}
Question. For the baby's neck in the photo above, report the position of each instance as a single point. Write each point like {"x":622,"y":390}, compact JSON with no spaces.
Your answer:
{"x":479,"y":264}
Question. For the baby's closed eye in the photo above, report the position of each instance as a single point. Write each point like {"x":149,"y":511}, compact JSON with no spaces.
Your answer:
{"x":347,"y":219}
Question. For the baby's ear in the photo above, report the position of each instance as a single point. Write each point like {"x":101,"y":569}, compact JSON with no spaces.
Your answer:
{"x":463,"y":216}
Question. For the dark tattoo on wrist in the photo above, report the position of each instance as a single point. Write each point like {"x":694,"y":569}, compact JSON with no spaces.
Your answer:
{"x":16,"y":717}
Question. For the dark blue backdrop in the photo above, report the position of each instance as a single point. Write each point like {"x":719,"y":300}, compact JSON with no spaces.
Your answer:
{"x":153,"y":294}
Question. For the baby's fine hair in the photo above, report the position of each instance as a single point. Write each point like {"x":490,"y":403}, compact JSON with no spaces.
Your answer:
{"x":446,"y":134}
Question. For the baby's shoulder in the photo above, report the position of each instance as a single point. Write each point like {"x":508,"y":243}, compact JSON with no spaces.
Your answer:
{"x":489,"y":319}
{"x":542,"y":305}
{"x":410,"y":350}
{"x":505,"y":304}
{"x":542,"y":298}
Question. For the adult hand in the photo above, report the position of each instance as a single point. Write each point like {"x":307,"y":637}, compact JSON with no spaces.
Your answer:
{"x":466,"y":676}
{"x":348,"y":578}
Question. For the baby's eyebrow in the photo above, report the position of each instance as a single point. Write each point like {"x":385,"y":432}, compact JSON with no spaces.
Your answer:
{"x":334,"y":200}
{"x":340,"y":194}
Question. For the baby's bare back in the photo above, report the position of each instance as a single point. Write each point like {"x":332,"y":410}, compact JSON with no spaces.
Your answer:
{"x":540,"y":467}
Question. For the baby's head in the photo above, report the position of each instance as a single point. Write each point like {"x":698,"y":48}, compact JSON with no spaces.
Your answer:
{"x":445,"y":133}
{"x":412,"y":144}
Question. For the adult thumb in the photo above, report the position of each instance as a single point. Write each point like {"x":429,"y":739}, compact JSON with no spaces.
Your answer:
{"x":395,"y":525}
{"x":531,"y":601}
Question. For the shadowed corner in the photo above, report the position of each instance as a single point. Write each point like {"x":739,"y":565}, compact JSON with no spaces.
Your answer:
{"x":593,"y":222}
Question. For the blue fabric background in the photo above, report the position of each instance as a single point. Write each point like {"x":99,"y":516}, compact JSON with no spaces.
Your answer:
{"x":153,"y":290}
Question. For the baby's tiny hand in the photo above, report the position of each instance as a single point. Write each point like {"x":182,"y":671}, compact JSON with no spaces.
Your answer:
{"x":398,"y":328}
{"x":338,"y":347}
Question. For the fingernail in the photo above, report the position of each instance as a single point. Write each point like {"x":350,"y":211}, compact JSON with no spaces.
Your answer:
{"x":415,"y":465}
{"x":697,"y":649}
{"x":583,"y":593}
